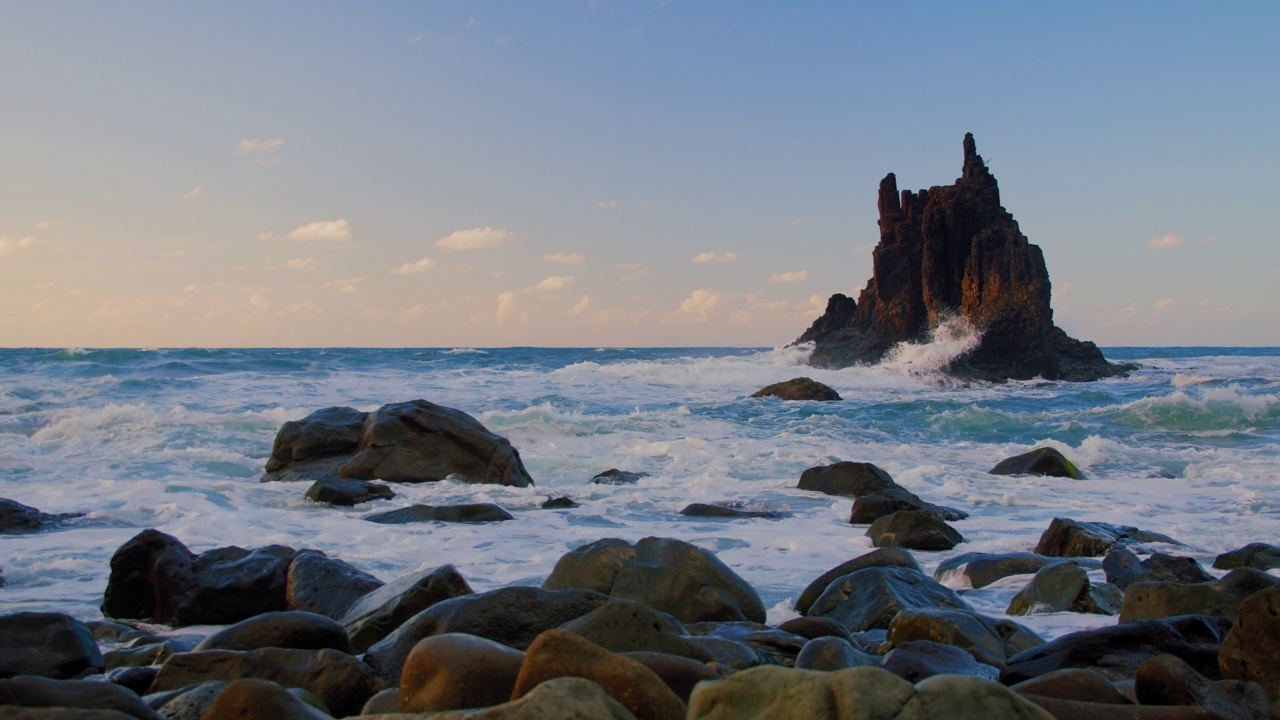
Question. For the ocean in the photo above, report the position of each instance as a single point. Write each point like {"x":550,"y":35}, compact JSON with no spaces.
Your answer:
{"x":176,"y":439}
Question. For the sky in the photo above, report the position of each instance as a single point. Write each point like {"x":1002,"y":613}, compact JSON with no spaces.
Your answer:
{"x":605,"y":173}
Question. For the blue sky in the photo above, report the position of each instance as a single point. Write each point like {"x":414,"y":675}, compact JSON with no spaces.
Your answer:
{"x":520,"y":173}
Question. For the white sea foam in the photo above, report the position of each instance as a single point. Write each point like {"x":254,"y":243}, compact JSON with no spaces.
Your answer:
{"x":953,"y":336}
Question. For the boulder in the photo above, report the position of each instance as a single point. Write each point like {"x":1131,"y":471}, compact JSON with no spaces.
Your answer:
{"x":106,"y":631}
{"x":833,"y":653}
{"x":51,"y":645}
{"x":155,"y":577}
{"x":771,"y":645}
{"x":134,"y":679}
{"x":419,"y":441}
{"x":1041,"y":461}
{"x":727,"y":511}
{"x":624,"y":626}
{"x":1079,"y":684}
{"x":679,"y":673}
{"x":346,"y":492}
{"x":151,"y":650}
{"x":467,"y":513}
{"x":812,"y":628}
{"x":977,"y":570}
{"x":1222,"y":597}
{"x":1250,"y":649}
{"x":186,"y":703}
{"x":614,"y":476}
{"x":375,"y":615}
{"x":559,"y":503}
{"x":18,"y":519}
{"x":883,"y":557}
{"x":513,"y":616}
{"x":916,"y":660}
{"x":1118,"y":650}
{"x":871,"y":597}
{"x":30,"y":691}
{"x":869,"y":508}
{"x":254,"y":699}
{"x":846,"y":479}
{"x":290,"y":629}
{"x":728,"y":654}
{"x":1064,"y":587}
{"x":913,"y":530}
{"x":968,"y":697}
{"x":1071,"y":538}
{"x":341,"y":681}
{"x":953,"y":252}
{"x":559,"y":653}
{"x":384,"y":702}
{"x":801,"y":388}
{"x":455,"y":671}
{"x":562,"y":697}
{"x":326,"y":586}
{"x":669,"y":575}
{"x":312,"y":448}
{"x":1123,"y":569}
{"x":1166,"y":680}
{"x":982,"y":637}
{"x":1259,"y":556}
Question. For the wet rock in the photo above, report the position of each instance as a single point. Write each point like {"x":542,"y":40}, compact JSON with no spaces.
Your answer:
{"x":375,"y":615}
{"x":51,"y":645}
{"x":614,"y":476}
{"x":728,"y":653}
{"x":151,"y":650}
{"x":883,"y":557}
{"x":384,"y":702}
{"x":771,"y":645}
{"x":513,"y":616}
{"x":312,"y":448}
{"x":563,"y":697}
{"x":347,"y":493}
{"x":1079,"y":684}
{"x":801,"y":388}
{"x":155,"y":577}
{"x":326,"y":586}
{"x":1222,"y":597}
{"x":1123,"y":569}
{"x":669,"y":575}
{"x":18,"y":519}
{"x":871,"y":597}
{"x":679,"y":673}
{"x":916,"y":660}
{"x":134,"y":679}
{"x":186,"y":703}
{"x":559,"y":503}
{"x":978,"y":570}
{"x":1041,"y":461}
{"x":625,"y":626}
{"x":980,"y":636}
{"x":1166,"y":680}
{"x":290,"y":629}
{"x":726,"y":511}
{"x":846,"y":479}
{"x":456,"y":671}
{"x":106,"y":631}
{"x":39,"y":692}
{"x":1118,"y":650}
{"x":833,"y":653}
{"x":913,"y":530}
{"x":812,"y":628}
{"x":558,"y":653}
{"x":341,"y":681}
{"x":1072,"y":538}
{"x":254,"y":699}
{"x":1259,"y":556}
{"x":869,"y":508}
{"x":1250,"y":650}
{"x":1064,"y":587}
{"x":467,"y":513}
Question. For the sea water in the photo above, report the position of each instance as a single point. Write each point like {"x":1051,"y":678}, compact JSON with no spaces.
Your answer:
{"x":176,"y":440}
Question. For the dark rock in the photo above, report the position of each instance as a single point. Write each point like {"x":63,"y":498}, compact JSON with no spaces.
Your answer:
{"x":1041,"y":461}
{"x":186,"y":703}
{"x":1080,"y":684}
{"x":771,"y":645}
{"x":1064,"y":587}
{"x":347,"y":493}
{"x":980,"y":636}
{"x":374,"y":616}
{"x":953,"y":250}
{"x":513,"y":616}
{"x":290,"y":629}
{"x":1259,"y":556}
{"x":341,"y":681}
{"x":846,"y":479}
{"x":832,"y":653}
{"x":916,"y":660}
{"x":1250,"y":650}
{"x":155,"y":577}
{"x":668,"y":575}
{"x":679,"y":673}
{"x":913,"y":530}
{"x":1123,"y":569}
{"x":614,"y":476}
{"x":382,"y":703}
{"x":134,"y":679}
{"x":1166,"y":680}
{"x":801,"y":388}
{"x":871,"y":597}
{"x":626,"y":626}
{"x":558,"y":653}
{"x":455,"y":671}
{"x":17,"y":519}
{"x":1072,"y":538}
{"x":883,"y":557}
{"x":326,"y":586}
{"x":1222,"y":597}
{"x":728,"y":654}
{"x":812,"y":628}
{"x":838,"y":315}
{"x":1118,"y":650}
{"x":869,"y":508}
{"x":562,"y":697}
{"x":50,"y":645}
{"x":982,"y":569}
{"x":725,"y":511}
{"x":559,"y":503}
{"x":467,"y":513}
{"x":39,"y":692}
{"x":254,"y":699}
{"x":152,"y":650}
{"x":312,"y":448}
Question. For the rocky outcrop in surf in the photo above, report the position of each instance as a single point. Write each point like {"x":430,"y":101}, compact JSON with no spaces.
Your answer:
{"x":954,"y":250}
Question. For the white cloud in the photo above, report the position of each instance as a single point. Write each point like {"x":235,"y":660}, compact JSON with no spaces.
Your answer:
{"x":265,"y":235}
{"x":581,"y":306}
{"x":347,"y":286}
{"x":565,"y":259}
{"x":1164,"y":242}
{"x":506,"y":306}
{"x":305,"y":263}
{"x":700,"y":302}
{"x":46,"y":224}
{"x":410,"y":314}
{"x":1163,"y":305}
{"x":474,"y":239}
{"x":552,"y":284}
{"x":194,"y":193}
{"x":11,"y":246}
{"x":789,"y":277}
{"x":414,"y":268}
{"x":259,"y":146}
{"x":606,"y":204}
{"x":321,"y":231}
{"x":710,"y":257}
{"x":1130,"y":309}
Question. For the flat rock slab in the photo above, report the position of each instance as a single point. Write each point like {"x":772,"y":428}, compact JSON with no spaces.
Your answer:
{"x":728,"y":511}
{"x":468,"y":513}
{"x":801,"y":388}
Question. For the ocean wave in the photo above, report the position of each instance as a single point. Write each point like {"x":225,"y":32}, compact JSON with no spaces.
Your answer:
{"x":953,"y":337}
{"x":1212,"y":408}
{"x":463,"y":351}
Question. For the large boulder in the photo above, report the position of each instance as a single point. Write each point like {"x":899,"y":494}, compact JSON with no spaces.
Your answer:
{"x":290,"y":629}
{"x":624,"y":626}
{"x":562,"y":697}
{"x":1064,"y":587}
{"x":324,"y":585}
{"x":846,"y":479}
{"x":456,"y":671}
{"x":17,"y":519}
{"x":954,"y":251}
{"x":1072,"y":538}
{"x":1222,"y":597}
{"x":254,"y":699}
{"x":1123,"y":569}
{"x":34,"y":692}
{"x":989,"y":641}
{"x":49,"y":645}
{"x":1259,"y":556}
{"x":913,"y":530}
{"x":679,"y":673}
{"x":771,"y":645}
{"x":882,"y":557}
{"x":1079,"y":684}
{"x":669,"y":575}
{"x":1166,"y":680}
{"x":1250,"y":649}
{"x":1041,"y":461}
{"x":974,"y":570}
{"x":870,"y":598}
{"x":466,"y":513}
{"x":374,"y":616}
{"x":801,"y":388}
{"x":916,"y":660}
{"x":832,"y":653}
{"x":312,"y":448}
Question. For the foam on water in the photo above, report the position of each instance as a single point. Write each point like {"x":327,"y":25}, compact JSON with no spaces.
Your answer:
{"x":176,"y":439}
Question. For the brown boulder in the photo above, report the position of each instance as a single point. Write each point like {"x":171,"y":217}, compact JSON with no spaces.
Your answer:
{"x":254,"y":699}
{"x":1222,"y":597}
{"x":1166,"y":680}
{"x":455,"y":671}
{"x":1080,"y":684}
{"x":375,"y":615}
{"x":1072,"y":538}
{"x":625,"y":626}
{"x":679,"y":673}
{"x":913,"y":530}
{"x":1250,"y":650}
{"x":290,"y":629}
{"x":565,"y":698}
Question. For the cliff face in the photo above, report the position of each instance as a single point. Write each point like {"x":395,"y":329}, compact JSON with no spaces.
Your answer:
{"x":954,"y":250}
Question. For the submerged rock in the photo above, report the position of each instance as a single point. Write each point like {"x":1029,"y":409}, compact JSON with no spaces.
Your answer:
{"x":874,"y":491}
{"x":1259,"y":556}
{"x":913,"y":530}
{"x":727,"y":511}
{"x":347,"y":493}
{"x":1073,"y":538}
{"x":469,"y":513}
{"x":16,"y":518}
{"x":801,"y":388}
{"x":614,"y":476}
{"x":559,"y":503}
{"x":1041,"y":461}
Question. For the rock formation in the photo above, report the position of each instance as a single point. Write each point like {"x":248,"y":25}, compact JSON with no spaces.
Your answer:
{"x":953,"y":250}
